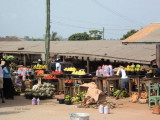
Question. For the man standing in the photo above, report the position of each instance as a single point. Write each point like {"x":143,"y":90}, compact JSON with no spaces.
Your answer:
{"x":1,"y":82}
{"x":124,"y":80}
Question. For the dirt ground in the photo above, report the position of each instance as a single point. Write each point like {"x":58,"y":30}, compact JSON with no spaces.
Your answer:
{"x":21,"y":109}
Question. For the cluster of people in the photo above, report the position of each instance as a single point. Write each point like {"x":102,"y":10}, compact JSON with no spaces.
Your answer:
{"x":6,"y":85}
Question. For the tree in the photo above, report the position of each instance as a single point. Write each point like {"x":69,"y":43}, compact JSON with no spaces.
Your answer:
{"x":95,"y":35}
{"x":79,"y":36}
{"x":54,"y":37}
{"x":129,"y":33}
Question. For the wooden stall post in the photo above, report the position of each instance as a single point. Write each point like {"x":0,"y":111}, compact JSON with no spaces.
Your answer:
{"x":158,"y":55}
{"x":64,"y":58}
{"x":25,"y":59}
{"x":88,"y":66}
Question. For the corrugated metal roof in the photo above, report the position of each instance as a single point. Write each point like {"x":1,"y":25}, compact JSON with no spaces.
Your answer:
{"x":149,"y":34}
{"x":107,"y":49}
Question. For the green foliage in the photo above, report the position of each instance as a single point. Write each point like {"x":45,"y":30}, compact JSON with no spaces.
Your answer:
{"x":12,"y":65}
{"x":128,"y":34}
{"x":79,"y":36}
{"x":122,"y":95}
{"x":54,"y":37}
{"x":95,"y":35}
{"x":8,"y":57}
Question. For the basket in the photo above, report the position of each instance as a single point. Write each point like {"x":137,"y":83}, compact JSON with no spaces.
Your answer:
{"x":67,"y":102}
{"x":61,"y":101}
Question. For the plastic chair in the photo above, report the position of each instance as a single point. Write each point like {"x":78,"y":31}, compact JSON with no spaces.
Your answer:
{"x":156,"y":97}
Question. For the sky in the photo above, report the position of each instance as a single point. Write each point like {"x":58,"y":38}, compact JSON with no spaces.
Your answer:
{"x":28,"y":17}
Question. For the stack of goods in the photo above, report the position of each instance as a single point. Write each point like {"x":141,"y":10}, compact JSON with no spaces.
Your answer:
{"x":69,"y":70}
{"x":105,"y":70}
{"x":28,"y":84}
{"x":42,"y":91}
{"x":49,"y":78}
{"x":39,"y":67}
{"x":23,"y":72}
{"x":79,"y":97}
{"x":134,"y":70}
{"x":80,"y":72}
{"x":57,"y":73}
{"x":67,"y":99}
{"x":39,"y":72}
{"x":68,"y":83}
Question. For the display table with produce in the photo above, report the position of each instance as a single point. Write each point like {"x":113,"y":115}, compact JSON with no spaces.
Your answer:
{"x":42,"y":91}
{"x":104,"y":82}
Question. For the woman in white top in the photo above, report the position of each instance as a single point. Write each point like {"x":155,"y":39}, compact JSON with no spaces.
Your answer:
{"x":1,"y":82}
{"x":124,"y":80}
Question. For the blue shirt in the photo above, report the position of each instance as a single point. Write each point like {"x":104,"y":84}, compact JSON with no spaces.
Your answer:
{"x":6,"y":73}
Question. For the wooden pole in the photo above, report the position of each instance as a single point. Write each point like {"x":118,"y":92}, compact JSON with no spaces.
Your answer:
{"x":158,"y":55}
{"x":64,"y":57}
{"x":24,"y":59}
{"x":47,"y":38}
{"x":88,"y":66}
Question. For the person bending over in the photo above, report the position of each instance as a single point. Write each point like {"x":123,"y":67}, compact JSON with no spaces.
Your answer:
{"x":124,"y":84}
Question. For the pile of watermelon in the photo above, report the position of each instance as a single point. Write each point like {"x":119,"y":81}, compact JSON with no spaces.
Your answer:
{"x":42,"y":91}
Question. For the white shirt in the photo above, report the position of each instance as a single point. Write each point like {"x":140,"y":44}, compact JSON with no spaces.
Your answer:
{"x":1,"y":72}
{"x":58,"y":67}
{"x":124,"y":76}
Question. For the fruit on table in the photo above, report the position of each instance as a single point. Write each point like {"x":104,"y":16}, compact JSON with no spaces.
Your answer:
{"x":39,"y":67}
{"x":133,"y":68}
{"x":68,"y":81}
{"x":57,"y":73}
{"x":70,"y":69}
{"x":80,"y":72}
{"x":49,"y":77}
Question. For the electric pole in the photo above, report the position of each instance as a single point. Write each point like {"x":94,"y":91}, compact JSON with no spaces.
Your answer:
{"x":103,"y":33}
{"x":47,"y":37}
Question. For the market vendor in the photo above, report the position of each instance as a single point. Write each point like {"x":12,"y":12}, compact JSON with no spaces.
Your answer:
{"x":124,"y":84}
{"x":1,"y":82}
{"x":39,"y":62}
{"x":58,"y":65}
{"x":8,"y":85}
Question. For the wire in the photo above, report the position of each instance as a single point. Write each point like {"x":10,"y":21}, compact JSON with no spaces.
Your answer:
{"x":91,"y":22}
{"x":75,"y":26}
{"x":117,"y":13}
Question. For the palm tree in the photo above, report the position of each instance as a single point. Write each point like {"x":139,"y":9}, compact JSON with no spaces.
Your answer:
{"x":54,"y":37}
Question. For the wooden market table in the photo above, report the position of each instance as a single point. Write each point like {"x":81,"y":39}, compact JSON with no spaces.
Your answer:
{"x":82,"y":80}
{"x":115,"y":80}
{"x":142,"y":81}
{"x":145,"y":82}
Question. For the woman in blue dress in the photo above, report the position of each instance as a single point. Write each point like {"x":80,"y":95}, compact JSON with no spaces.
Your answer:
{"x":8,"y":85}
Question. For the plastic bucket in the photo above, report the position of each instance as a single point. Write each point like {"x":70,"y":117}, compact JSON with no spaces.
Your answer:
{"x":79,"y":116}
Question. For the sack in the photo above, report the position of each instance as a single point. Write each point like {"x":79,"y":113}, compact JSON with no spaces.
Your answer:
{"x":156,"y":109}
{"x":143,"y":95}
{"x":134,"y":97}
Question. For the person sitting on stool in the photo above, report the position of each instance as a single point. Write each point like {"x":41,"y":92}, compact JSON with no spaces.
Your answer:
{"x":124,"y":84}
